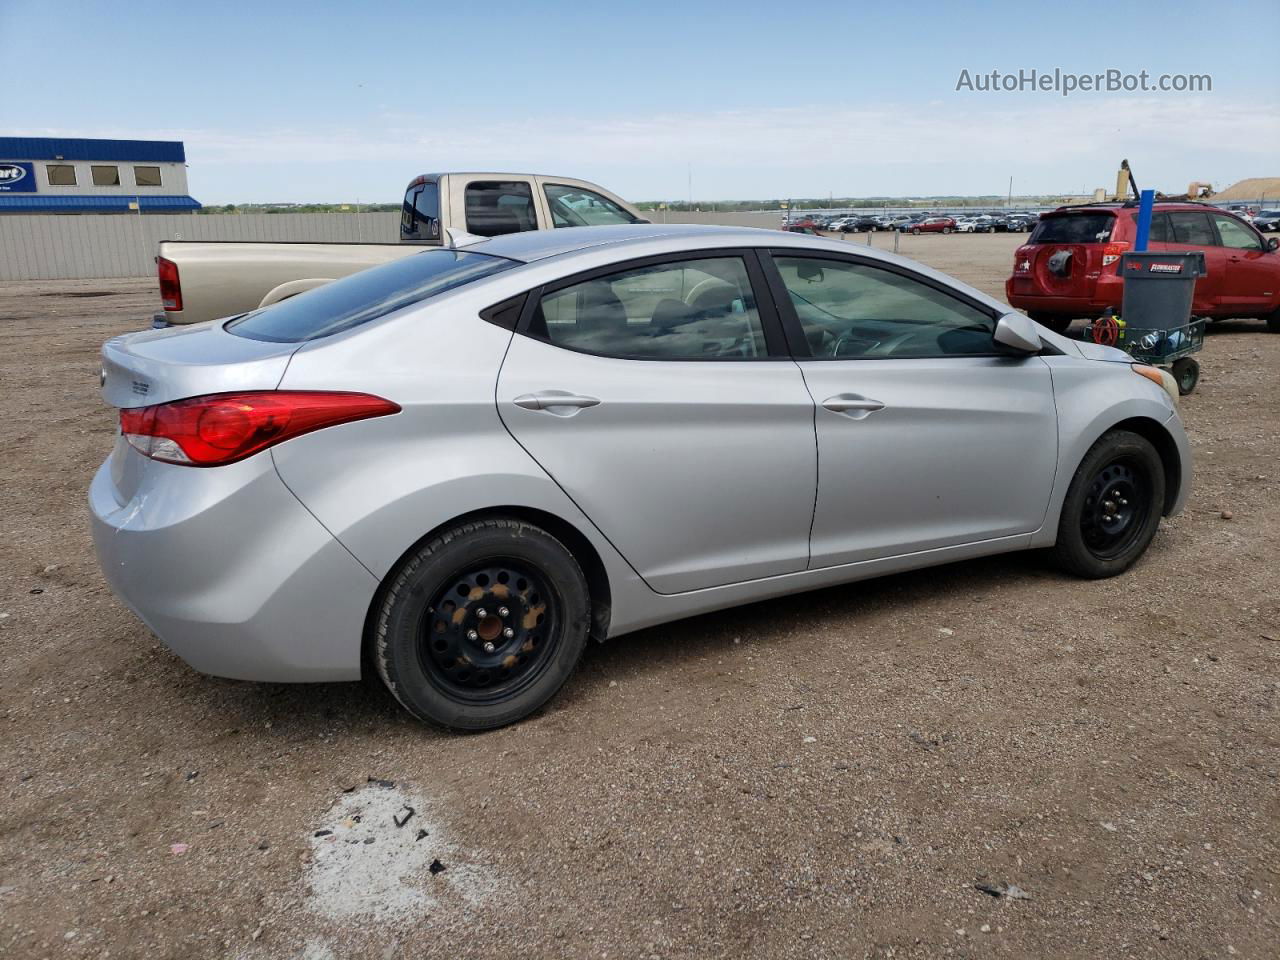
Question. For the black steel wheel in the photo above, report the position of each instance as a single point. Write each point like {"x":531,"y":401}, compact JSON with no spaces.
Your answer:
{"x":1186,"y":372}
{"x":1112,"y":507}
{"x":482,"y":625}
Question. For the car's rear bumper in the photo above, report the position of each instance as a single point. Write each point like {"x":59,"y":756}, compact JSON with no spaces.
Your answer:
{"x":231,"y":572}
{"x":1105,"y":293}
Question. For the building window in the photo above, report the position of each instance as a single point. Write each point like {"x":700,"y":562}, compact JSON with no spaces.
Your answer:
{"x":61,"y":174}
{"x":146,"y":176}
{"x":106,"y":176}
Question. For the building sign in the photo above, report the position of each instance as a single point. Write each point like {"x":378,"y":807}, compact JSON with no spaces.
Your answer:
{"x":17,"y":178}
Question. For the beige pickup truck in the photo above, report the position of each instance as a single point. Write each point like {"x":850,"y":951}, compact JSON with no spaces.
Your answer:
{"x":204,"y":280}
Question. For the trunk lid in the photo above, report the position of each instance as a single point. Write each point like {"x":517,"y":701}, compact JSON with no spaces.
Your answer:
{"x":157,"y":366}
{"x":1064,"y":255}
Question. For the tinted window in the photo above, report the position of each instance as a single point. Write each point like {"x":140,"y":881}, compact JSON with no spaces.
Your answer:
{"x":575,"y":207}
{"x":366,"y":295}
{"x":146,"y":176}
{"x":687,"y":310}
{"x":1192,"y":228}
{"x":851,"y":311}
{"x":1235,"y":234}
{"x":1161,"y":232}
{"x":1074,"y":228}
{"x":61,"y":174}
{"x":420,"y":215}
{"x":105,"y":176}
{"x":495,"y":208}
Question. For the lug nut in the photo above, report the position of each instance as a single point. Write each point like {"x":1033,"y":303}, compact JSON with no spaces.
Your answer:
{"x":489,"y":647}
{"x":503,"y":611}
{"x":508,"y":633}
{"x":472,"y":635}
{"x":481,"y":613}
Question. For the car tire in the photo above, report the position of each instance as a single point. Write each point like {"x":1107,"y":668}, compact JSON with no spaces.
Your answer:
{"x":1112,"y":507}
{"x":915,"y":232}
{"x":482,"y":625}
{"x":1273,"y":322}
{"x":946,"y":230}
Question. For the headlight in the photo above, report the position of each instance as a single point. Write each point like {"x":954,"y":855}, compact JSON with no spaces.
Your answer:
{"x":1162,"y":377}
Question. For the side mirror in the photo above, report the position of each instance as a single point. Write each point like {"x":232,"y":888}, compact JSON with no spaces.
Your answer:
{"x":1273,"y":243}
{"x":1018,"y":332}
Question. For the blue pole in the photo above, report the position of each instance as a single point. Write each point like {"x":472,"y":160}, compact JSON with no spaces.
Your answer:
{"x":1146,"y":201}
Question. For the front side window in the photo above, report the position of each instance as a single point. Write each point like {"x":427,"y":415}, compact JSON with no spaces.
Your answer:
{"x":105,"y":176}
{"x":420,"y":216}
{"x":685,"y":310}
{"x":1192,"y":228}
{"x":146,"y":176}
{"x":367,"y":295}
{"x":855,"y":311}
{"x":495,"y":208}
{"x":1236,"y":235}
{"x":576,"y":207}
{"x":61,"y":174}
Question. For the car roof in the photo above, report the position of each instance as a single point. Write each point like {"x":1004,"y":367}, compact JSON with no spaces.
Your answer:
{"x":534,"y":245}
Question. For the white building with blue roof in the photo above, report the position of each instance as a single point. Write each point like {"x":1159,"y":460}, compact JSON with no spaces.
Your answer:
{"x":58,"y":175}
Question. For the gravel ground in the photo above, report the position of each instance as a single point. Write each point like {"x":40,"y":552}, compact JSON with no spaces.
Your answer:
{"x":828,"y":775}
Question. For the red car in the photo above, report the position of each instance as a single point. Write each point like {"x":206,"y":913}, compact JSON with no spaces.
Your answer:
{"x":1067,"y":268}
{"x":933,"y":225}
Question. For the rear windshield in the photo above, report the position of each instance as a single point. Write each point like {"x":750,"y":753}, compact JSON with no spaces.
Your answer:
{"x":366,"y":296}
{"x":1074,"y":228}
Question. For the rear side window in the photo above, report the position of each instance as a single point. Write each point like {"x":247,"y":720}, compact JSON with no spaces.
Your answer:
{"x":1161,"y":232}
{"x":1192,"y":228}
{"x":498,"y":207}
{"x":366,"y":296}
{"x":420,"y":216}
{"x":1074,"y":228}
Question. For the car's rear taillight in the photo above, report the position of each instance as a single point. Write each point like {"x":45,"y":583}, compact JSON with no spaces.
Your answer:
{"x":170,"y":287}
{"x":1111,"y":251}
{"x":226,"y":427}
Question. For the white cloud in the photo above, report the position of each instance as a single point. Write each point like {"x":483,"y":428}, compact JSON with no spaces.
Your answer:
{"x":969,"y":144}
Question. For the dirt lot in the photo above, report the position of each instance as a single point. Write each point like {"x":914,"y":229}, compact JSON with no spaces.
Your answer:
{"x":827,"y":775}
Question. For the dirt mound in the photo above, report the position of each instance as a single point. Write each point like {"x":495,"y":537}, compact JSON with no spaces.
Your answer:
{"x":1255,"y":188}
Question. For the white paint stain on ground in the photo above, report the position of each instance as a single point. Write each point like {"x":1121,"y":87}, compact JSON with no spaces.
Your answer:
{"x":366,"y":867}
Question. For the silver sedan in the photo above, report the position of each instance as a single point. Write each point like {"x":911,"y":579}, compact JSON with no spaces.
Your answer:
{"x":457,"y":468}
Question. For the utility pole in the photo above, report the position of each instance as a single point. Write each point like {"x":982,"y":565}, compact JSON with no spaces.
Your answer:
{"x":1009,"y":202}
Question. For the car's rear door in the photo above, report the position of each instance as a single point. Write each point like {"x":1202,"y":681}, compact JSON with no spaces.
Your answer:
{"x":659,"y":395}
{"x":928,"y":437}
{"x":1191,"y":230}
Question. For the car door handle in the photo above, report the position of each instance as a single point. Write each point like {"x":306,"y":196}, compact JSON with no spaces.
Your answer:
{"x":548,"y":400}
{"x":853,"y":404}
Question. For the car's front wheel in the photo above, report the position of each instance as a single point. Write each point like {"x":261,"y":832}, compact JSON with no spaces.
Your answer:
{"x":1112,"y":507}
{"x":482,"y":625}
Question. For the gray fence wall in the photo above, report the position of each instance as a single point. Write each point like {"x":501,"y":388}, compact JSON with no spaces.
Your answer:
{"x":75,"y":247}
{"x":83,"y":247}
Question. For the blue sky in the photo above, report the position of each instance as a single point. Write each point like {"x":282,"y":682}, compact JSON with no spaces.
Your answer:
{"x":332,"y":101}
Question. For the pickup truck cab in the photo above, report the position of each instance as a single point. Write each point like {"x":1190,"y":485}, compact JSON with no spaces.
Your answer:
{"x":205,"y":280}
{"x":1068,"y":267}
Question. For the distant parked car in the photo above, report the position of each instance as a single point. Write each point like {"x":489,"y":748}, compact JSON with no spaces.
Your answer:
{"x":933,"y":225}
{"x":968,"y":225}
{"x":807,"y":228}
{"x":1021,"y":222}
{"x":837,"y":224}
{"x":1068,"y":267}
{"x":1267,"y":220}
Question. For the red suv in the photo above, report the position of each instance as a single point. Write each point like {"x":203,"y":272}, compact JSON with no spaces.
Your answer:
{"x":932,"y":225}
{"x":1068,"y":266}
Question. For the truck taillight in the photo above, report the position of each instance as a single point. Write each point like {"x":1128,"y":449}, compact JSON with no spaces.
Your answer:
{"x":226,"y":427}
{"x":1111,"y":251}
{"x":170,"y":287}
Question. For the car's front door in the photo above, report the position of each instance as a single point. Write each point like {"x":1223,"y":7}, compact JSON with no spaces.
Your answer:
{"x":1253,"y":270}
{"x":1185,"y":231}
{"x":660,"y":397}
{"x":928,"y":437}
